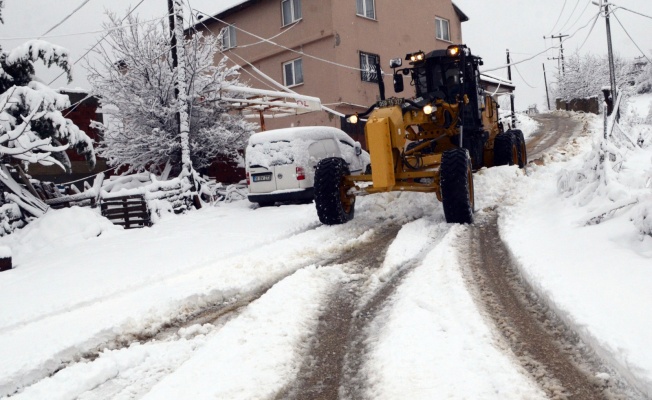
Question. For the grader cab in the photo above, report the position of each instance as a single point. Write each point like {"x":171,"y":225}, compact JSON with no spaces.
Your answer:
{"x":430,"y":143}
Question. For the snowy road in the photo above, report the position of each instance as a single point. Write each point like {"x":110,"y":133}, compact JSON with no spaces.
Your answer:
{"x":234,"y":302}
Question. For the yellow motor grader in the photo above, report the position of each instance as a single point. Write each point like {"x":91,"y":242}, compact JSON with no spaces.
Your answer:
{"x":430,"y":143}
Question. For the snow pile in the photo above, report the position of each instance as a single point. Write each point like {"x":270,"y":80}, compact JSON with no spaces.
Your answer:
{"x":526,"y":124}
{"x":59,"y":228}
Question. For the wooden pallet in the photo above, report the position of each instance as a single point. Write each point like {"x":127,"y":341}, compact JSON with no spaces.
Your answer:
{"x":128,"y":211}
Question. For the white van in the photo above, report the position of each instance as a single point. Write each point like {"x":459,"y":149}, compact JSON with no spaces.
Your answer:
{"x":281,"y":163}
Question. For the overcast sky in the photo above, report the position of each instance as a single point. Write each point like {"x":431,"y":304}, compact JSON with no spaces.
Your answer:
{"x":494,"y":26}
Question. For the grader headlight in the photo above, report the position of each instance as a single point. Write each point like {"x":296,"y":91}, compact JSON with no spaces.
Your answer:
{"x":453,"y":51}
{"x":429,"y":109}
{"x":416,"y":57}
{"x":352,"y":119}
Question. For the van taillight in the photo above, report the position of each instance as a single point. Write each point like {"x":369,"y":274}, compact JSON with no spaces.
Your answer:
{"x":248,"y":180}
{"x":301,"y":174}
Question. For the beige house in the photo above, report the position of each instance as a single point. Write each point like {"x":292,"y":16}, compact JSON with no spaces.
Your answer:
{"x":324,"y":48}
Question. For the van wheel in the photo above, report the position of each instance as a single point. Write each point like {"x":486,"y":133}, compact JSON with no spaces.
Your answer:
{"x":456,"y":183}
{"x":334,"y":204}
{"x":265,"y":203}
{"x":505,"y":149}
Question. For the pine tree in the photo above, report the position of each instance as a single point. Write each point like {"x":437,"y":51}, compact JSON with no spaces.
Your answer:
{"x":31,"y":122}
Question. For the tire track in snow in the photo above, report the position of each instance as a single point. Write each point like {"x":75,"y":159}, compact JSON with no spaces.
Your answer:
{"x":332,"y":369}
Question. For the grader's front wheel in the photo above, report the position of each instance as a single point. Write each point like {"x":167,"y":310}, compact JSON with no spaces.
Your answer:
{"x":456,"y":182}
{"x":334,"y":204}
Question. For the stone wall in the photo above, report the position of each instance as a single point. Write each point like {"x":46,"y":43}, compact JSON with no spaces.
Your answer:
{"x":587,"y":105}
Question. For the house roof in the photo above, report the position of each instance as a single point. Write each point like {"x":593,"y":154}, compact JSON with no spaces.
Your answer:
{"x":226,"y":7}
{"x":460,"y":13}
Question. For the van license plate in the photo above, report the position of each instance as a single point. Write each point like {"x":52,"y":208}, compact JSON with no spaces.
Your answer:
{"x":262,"y":177}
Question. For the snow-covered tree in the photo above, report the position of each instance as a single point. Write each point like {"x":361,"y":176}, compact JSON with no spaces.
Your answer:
{"x":135,"y":79}
{"x":31,"y":122}
{"x":585,"y":75}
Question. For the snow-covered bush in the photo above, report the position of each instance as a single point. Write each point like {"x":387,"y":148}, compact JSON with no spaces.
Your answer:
{"x":584,"y":76}
{"x":616,"y":175}
{"x":31,"y":122}
{"x":135,"y":81}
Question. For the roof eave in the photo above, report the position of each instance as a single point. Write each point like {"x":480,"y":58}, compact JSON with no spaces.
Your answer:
{"x":463,"y":17}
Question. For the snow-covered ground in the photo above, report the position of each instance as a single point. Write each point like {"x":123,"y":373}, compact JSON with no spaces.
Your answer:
{"x":85,"y":295}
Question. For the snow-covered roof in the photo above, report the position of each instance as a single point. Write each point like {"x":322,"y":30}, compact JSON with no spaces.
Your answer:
{"x":223,"y":6}
{"x":302,"y":132}
{"x":496,"y":85}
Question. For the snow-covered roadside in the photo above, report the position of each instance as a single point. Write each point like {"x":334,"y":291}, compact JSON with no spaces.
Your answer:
{"x":597,"y":277}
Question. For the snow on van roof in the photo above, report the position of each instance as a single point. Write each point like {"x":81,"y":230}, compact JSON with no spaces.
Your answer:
{"x":303,"y":132}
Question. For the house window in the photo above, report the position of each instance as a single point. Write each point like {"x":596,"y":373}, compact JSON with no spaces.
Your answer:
{"x":443,"y":29}
{"x":366,"y":8}
{"x":293,"y":72}
{"x":368,"y":63}
{"x":228,"y":37}
{"x":291,"y":10}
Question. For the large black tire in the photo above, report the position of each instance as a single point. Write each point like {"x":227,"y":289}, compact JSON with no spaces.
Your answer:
{"x":520,"y":146}
{"x":456,"y":182}
{"x":334,"y":205}
{"x":505,"y":149}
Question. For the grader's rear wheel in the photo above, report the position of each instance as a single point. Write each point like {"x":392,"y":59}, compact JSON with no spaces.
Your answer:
{"x":334,"y":204}
{"x":505,"y":149}
{"x":456,"y":181}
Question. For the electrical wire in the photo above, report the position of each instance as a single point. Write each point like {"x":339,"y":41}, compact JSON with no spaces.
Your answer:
{"x":577,"y":3}
{"x":97,"y":43}
{"x":82,"y":33}
{"x":524,"y":81}
{"x":589,"y":34}
{"x":281,"y":46}
{"x":593,"y":19}
{"x":558,"y":18}
{"x":66,"y":18}
{"x":632,"y":11}
{"x":630,"y":38}
{"x":586,"y":7}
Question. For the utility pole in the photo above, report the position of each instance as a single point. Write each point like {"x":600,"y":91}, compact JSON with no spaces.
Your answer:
{"x":561,"y":50}
{"x":511,"y":95}
{"x":612,"y":69}
{"x":545,"y":80}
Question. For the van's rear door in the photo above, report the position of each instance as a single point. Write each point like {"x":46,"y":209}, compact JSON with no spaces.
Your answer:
{"x":286,"y":177}
{"x":261,"y":179}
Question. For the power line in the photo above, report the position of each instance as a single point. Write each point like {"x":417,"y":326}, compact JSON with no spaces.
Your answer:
{"x":281,"y":46}
{"x":97,"y":43}
{"x":558,"y":18}
{"x":590,"y":31}
{"x":577,"y":3}
{"x":524,"y":81}
{"x":594,"y":18}
{"x":83,"y":33}
{"x":586,"y":7}
{"x":632,"y":11}
{"x":68,"y":16}
{"x":630,"y":37}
